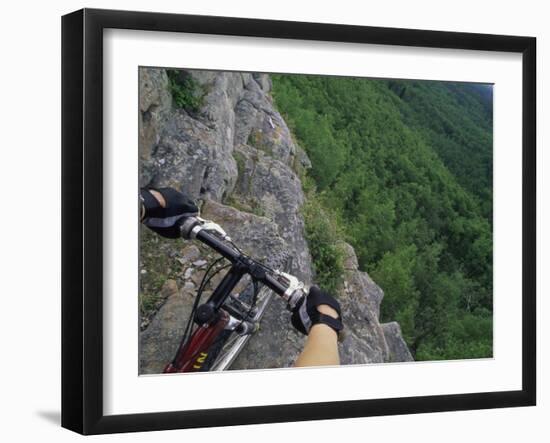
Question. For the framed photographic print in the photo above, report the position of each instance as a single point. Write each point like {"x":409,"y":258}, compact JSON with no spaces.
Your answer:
{"x":253,"y":209}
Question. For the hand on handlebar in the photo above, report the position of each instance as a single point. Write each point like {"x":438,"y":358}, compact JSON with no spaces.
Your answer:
{"x":164,"y":208}
{"x":173,"y":215}
{"x":317,"y":307}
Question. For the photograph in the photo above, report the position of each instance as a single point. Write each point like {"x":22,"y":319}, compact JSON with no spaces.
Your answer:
{"x":290,"y":220}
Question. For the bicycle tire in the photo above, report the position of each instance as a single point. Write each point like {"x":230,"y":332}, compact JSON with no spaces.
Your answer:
{"x":227,"y":347}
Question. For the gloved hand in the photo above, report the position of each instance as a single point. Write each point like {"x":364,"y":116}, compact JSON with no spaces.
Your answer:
{"x":306,"y":313}
{"x":164,"y":218}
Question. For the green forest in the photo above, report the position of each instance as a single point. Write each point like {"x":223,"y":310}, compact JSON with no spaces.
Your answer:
{"x":402,"y":170}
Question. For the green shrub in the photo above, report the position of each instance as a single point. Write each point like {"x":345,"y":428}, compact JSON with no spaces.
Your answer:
{"x":186,"y":91}
{"x":240,"y":160}
{"x":325,"y":245}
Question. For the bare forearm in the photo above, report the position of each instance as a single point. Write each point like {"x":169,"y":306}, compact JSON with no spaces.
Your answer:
{"x":321,"y":348}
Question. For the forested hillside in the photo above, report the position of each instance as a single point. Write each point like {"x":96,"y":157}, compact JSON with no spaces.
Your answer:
{"x":402,"y":170}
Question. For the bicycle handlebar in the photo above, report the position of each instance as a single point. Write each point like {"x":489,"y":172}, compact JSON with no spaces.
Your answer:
{"x":209,"y":233}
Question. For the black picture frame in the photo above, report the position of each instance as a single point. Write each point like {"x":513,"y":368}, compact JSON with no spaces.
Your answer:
{"x":82,"y":219}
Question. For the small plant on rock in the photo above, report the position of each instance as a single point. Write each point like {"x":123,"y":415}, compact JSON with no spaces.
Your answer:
{"x":186,"y":92}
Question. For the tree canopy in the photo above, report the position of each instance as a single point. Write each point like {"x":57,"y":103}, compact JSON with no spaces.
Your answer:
{"x":405,"y":168}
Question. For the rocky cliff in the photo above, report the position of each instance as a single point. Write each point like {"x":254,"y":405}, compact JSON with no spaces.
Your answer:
{"x":234,"y":153}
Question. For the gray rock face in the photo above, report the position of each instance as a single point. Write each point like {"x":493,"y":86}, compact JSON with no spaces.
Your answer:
{"x":237,"y":155}
{"x":155,"y":103}
{"x":260,"y":126}
{"x":255,"y":235}
{"x":191,"y":156}
{"x":272,"y":187}
{"x":360,"y":282}
{"x":364,"y":340}
{"x":159,"y":342}
{"x":398,"y":350}
{"x":236,"y":128}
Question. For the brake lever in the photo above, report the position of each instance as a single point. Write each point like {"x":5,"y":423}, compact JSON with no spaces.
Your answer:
{"x":209,"y":225}
{"x":192,"y":226}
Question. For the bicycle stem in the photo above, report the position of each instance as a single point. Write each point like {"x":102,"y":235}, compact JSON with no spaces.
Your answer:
{"x":206,"y":313}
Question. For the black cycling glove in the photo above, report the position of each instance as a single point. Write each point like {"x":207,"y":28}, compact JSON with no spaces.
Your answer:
{"x":305,"y":314}
{"x":165,"y":220}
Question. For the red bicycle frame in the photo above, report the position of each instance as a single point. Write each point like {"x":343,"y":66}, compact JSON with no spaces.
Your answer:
{"x":192,"y":354}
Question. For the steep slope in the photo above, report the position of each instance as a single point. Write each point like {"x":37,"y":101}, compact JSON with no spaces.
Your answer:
{"x":221,"y":140}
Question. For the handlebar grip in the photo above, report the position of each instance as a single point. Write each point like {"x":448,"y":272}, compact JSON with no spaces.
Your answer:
{"x":275,"y":285}
{"x":186,"y":226}
{"x":212,"y":241}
